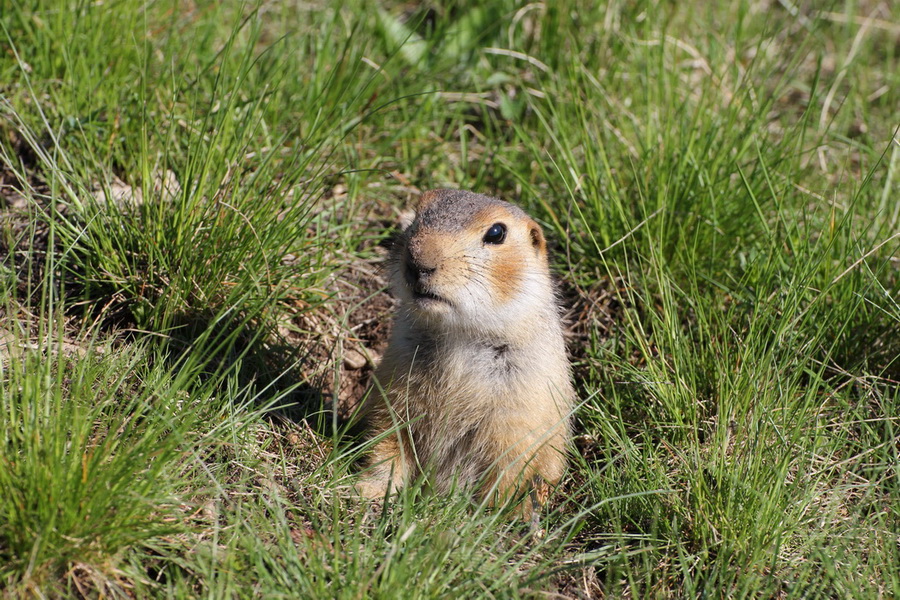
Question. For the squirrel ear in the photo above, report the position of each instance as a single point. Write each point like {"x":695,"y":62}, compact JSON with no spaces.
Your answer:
{"x":427,"y":198}
{"x":537,"y":237}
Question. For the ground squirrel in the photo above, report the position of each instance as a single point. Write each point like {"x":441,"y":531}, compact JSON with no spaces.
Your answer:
{"x":475,"y":383}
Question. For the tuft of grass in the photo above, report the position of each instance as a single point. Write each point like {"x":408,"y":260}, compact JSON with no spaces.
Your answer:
{"x":97,"y":445}
{"x":223,"y":165}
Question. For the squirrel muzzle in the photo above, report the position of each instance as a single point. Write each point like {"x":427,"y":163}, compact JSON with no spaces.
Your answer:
{"x":421,"y":261}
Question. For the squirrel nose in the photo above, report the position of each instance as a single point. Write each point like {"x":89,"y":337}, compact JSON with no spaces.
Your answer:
{"x":422,"y":273}
{"x":416,"y":271}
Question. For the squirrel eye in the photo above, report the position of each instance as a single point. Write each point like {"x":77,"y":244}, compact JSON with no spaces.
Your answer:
{"x":496,"y":234}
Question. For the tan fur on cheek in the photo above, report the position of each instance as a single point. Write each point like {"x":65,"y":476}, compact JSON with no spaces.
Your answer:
{"x":506,"y":272}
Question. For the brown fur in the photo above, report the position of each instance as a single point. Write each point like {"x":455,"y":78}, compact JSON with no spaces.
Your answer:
{"x":475,"y":386}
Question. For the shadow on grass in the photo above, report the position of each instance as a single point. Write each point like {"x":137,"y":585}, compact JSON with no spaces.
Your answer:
{"x":278,"y":370}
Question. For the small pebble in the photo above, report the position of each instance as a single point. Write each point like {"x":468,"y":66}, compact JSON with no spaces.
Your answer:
{"x":354,"y":360}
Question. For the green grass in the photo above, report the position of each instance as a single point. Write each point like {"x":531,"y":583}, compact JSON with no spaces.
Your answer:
{"x":190,"y":202}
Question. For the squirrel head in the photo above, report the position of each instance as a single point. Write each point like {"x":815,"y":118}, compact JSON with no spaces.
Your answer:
{"x":471,"y":262}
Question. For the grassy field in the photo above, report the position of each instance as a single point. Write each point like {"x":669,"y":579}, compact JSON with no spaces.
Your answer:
{"x":194,"y":201}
